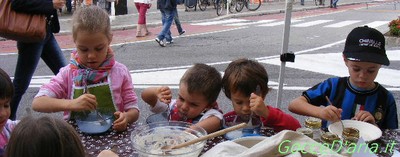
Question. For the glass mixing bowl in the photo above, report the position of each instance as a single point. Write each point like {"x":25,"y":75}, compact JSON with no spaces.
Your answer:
{"x":148,"y":139}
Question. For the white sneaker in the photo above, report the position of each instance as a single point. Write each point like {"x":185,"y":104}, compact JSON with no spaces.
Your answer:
{"x":160,"y":42}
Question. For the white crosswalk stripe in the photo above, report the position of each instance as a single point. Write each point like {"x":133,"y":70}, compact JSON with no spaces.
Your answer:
{"x":311,"y":23}
{"x":377,"y":23}
{"x":250,"y":23}
{"x":278,"y":23}
{"x":219,"y":22}
{"x":295,"y":22}
{"x":343,"y":23}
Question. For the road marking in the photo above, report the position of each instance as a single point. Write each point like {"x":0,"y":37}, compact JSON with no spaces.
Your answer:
{"x":219,"y":22}
{"x":249,"y":23}
{"x":318,"y":63}
{"x":332,"y":64}
{"x":377,"y":23}
{"x":278,"y":23}
{"x":311,"y":23}
{"x":343,"y":23}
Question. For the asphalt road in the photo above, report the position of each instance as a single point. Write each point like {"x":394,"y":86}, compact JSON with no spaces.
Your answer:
{"x":317,"y":48}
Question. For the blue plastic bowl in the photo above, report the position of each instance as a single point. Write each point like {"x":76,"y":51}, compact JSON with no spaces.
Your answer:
{"x":232,"y":120}
{"x":90,"y":124}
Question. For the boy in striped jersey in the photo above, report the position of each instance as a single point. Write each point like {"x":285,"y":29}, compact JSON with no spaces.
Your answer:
{"x":357,"y":96}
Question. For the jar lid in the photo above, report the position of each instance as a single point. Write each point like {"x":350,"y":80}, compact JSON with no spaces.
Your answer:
{"x":313,"y":123}
{"x":350,"y":131}
{"x":305,"y":131}
{"x":329,"y":137}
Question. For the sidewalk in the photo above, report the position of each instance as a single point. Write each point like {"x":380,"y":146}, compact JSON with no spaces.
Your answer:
{"x":129,"y":21}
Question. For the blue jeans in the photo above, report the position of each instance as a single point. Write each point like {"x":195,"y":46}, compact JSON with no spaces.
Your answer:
{"x":334,"y":3}
{"x":177,"y":22}
{"x":68,"y":5}
{"x":29,"y":55}
{"x":167,"y":17}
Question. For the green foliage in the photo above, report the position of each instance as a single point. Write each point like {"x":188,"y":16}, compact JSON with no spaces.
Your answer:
{"x":394,"y":27}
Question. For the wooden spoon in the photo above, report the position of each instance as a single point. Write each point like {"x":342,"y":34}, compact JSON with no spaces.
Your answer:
{"x":215,"y":134}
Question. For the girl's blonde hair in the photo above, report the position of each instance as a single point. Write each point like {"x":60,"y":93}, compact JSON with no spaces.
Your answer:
{"x":92,"y":19}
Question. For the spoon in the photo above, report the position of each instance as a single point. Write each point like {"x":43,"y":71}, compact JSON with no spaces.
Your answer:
{"x":100,"y":118}
{"x":212,"y":135}
{"x":330,"y":103}
{"x":258,"y":93}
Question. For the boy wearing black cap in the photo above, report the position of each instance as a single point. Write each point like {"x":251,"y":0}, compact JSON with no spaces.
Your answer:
{"x":357,"y":96}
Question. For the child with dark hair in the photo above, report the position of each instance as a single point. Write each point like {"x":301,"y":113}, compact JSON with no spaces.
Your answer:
{"x":241,"y":79}
{"x":6,"y":125}
{"x":357,"y":96}
{"x":199,"y":88}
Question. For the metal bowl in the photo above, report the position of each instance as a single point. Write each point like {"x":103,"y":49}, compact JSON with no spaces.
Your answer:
{"x":148,"y":139}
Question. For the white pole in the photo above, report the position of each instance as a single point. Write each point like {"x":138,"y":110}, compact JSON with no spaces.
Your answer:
{"x":112,"y":8}
{"x":228,"y":3}
{"x":285,"y":45}
{"x":112,"y":11}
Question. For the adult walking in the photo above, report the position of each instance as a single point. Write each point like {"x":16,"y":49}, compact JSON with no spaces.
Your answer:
{"x":29,"y":54}
{"x":142,"y":6}
{"x":167,"y":9}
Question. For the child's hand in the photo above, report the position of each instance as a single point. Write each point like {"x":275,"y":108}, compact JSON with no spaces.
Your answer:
{"x":364,"y":116}
{"x":83,"y":103}
{"x":331,"y":113}
{"x":257,"y":105}
{"x":120,"y":124}
{"x":164,"y":94}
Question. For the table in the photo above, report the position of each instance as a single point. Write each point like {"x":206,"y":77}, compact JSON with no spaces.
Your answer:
{"x":121,"y":142}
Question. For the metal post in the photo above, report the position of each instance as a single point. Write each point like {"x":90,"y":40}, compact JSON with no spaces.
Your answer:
{"x":285,"y":45}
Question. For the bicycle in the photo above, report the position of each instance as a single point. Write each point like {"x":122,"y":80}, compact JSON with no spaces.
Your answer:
{"x":221,"y":5}
{"x":319,"y":2}
{"x":203,"y":4}
{"x":251,"y":5}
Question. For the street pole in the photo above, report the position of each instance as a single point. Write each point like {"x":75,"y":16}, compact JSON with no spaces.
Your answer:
{"x":285,"y":44}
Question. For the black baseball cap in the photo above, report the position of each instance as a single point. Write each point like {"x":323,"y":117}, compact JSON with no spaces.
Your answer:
{"x":365,"y":44}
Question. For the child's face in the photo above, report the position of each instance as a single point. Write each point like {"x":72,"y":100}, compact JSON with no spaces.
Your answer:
{"x":241,"y":103}
{"x":92,"y":48}
{"x":362,"y":74}
{"x":5,"y":112}
{"x":190,"y":105}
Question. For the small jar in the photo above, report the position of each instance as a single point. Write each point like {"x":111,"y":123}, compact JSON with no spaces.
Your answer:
{"x":305,"y":131}
{"x":315,"y":125}
{"x":350,"y":135}
{"x":332,"y":140}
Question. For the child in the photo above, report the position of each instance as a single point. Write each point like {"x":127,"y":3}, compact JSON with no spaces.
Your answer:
{"x":92,"y":68}
{"x":240,"y":82}
{"x":357,"y":96}
{"x":44,"y":136}
{"x":199,"y":88}
{"x":6,"y":125}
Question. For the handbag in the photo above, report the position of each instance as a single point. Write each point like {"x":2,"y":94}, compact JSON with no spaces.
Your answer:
{"x":21,"y":27}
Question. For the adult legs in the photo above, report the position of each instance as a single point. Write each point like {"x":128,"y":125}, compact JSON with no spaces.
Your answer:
{"x":28,"y":59}
{"x":68,"y":5}
{"x":52,"y":55}
{"x":335,"y":3}
{"x":178,"y":22}
{"x":141,"y":29}
{"x":167,"y":19}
